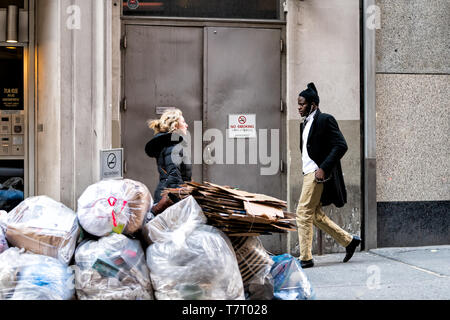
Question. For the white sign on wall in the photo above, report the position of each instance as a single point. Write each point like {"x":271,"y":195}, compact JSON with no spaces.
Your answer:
{"x":241,"y":126}
{"x":161,"y":109}
{"x":111,"y":164}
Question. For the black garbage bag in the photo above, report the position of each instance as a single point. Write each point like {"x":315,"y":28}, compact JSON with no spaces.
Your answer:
{"x":11,"y":193}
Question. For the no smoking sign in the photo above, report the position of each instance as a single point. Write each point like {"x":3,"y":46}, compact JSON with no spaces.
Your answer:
{"x":241,"y":126}
{"x":111,"y":164}
{"x":111,"y":161}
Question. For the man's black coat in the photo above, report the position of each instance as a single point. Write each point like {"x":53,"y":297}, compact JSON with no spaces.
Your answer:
{"x":326,"y":146}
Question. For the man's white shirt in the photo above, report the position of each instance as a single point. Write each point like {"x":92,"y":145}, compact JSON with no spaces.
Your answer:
{"x":308,"y":164}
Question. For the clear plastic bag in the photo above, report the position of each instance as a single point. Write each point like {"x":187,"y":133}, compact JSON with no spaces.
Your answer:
{"x":118,"y":206}
{"x":190,"y":260}
{"x":3,"y":220}
{"x":178,"y":220}
{"x":112,"y":268}
{"x":254,"y":264}
{"x":43,"y":226}
{"x":27,"y":276}
{"x":290,"y":282}
{"x":3,"y":243}
{"x":260,"y":286}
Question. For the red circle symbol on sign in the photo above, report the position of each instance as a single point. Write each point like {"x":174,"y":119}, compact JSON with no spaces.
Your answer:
{"x":242,"y":119}
{"x":133,"y":4}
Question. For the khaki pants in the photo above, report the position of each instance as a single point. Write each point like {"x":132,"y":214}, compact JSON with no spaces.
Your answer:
{"x":309,"y":212}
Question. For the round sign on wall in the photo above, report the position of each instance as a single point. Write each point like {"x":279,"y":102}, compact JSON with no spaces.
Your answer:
{"x":242,"y":119}
{"x":112,"y":160}
{"x":133,"y":4}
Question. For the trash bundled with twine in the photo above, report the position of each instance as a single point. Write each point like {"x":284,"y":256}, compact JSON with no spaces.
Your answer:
{"x":237,"y":212}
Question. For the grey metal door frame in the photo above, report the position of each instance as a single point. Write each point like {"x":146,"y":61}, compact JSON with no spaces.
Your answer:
{"x":187,"y":22}
{"x":240,"y":67}
{"x":163,"y":68}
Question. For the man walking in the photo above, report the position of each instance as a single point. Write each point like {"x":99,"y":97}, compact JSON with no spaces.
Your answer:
{"x":322,"y":145}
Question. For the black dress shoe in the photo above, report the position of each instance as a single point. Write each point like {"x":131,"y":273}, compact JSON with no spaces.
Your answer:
{"x":307,"y":263}
{"x":350,"y":249}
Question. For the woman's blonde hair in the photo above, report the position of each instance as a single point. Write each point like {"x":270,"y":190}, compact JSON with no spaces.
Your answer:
{"x":167,"y":123}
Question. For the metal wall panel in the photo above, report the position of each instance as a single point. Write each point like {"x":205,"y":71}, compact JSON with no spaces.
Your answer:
{"x":163,"y":68}
{"x":209,"y":73}
{"x":243,"y":76}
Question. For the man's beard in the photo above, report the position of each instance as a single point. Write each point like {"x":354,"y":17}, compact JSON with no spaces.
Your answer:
{"x":308,"y":111}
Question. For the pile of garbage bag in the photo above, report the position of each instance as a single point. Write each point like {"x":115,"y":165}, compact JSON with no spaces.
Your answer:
{"x":41,"y":237}
{"x":114,"y":248}
{"x":189,"y":259}
{"x":28,"y":276}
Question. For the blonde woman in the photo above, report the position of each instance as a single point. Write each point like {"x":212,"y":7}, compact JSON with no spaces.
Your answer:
{"x":168,"y":133}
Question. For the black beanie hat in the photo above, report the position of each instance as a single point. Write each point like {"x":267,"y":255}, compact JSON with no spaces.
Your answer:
{"x":310,"y":94}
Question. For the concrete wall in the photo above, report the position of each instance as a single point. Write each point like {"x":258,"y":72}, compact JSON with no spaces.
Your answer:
{"x":413,"y":94}
{"x":116,"y":93}
{"x":323,"y":46}
{"x":48,"y":138}
{"x":73,"y":42}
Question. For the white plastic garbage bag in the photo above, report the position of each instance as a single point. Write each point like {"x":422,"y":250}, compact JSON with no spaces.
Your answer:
{"x":43,"y":226}
{"x":177,"y":220}
{"x":3,"y":243}
{"x":190,"y":260}
{"x":112,"y":268}
{"x":27,"y":276}
{"x":114,"y":206}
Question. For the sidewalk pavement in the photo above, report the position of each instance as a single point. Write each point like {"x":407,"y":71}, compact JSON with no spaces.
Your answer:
{"x":412,"y":273}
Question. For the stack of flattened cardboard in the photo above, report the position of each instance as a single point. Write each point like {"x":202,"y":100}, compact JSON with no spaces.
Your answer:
{"x":237,"y":212}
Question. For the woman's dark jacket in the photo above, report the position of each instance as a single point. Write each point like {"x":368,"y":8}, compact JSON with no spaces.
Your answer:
{"x":173,"y":170}
{"x":326,"y":146}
